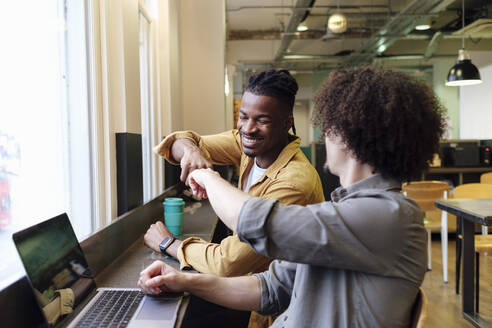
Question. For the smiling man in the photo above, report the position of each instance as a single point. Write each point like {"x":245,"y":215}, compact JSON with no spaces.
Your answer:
{"x":271,"y":165}
{"x":358,"y":260}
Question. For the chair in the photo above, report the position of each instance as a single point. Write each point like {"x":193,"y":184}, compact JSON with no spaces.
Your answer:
{"x":483,"y":243}
{"x":419,"y":310}
{"x":486,"y":178}
{"x":424,"y":193}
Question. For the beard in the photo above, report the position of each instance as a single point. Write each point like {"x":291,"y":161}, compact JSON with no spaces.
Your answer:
{"x":247,"y":153}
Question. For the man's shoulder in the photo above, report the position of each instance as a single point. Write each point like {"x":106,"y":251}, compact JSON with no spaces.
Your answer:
{"x":299,"y":172}
{"x":299,"y":162}
{"x":226,"y":138}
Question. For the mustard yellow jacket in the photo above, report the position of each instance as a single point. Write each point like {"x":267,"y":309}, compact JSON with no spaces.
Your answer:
{"x":291,"y":179}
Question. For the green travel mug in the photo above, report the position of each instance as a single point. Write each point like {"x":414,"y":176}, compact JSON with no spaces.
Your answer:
{"x":173,"y":214}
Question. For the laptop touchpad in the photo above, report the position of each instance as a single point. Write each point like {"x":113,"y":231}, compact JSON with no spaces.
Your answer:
{"x":155,"y":308}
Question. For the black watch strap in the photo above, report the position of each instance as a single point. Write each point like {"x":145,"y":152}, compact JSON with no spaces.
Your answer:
{"x":165,"y":243}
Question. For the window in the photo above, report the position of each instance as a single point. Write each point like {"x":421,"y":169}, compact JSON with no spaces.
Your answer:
{"x":44,"y":126}
{"x":147,"y":102}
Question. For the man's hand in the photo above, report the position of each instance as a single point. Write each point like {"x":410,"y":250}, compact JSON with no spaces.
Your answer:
{"x":190,"y":157}
{"x":156,"y":233}
{"x":241,"y":293}
{"x":160,"y":277}
{"x":196,"y":181}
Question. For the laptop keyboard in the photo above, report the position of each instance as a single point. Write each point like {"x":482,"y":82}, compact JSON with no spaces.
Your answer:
{"x":114,"y":308}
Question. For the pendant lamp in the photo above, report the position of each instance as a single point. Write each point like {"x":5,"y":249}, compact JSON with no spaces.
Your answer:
{"x":337,"y":23}
{"x":464,"y":72}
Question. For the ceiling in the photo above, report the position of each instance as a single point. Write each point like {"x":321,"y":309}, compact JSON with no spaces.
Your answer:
{"x":264,"y":32}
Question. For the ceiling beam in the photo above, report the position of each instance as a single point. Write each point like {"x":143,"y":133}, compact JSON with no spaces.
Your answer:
{"x":433,"y":44}
{"x":307,"y":8}
{"x":401,"y":24}
{"x":294,"y":21}
{"x":234,"y":35}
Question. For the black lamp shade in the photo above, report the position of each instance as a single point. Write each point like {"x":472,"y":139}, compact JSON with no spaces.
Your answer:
{"x":463,"y":73}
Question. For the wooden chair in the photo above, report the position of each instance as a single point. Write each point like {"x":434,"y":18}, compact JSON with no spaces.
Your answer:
{"x":424,"y":193}
{"x":486,"y":178}
{"x":419,"y":310}
{"x":483,"y":243}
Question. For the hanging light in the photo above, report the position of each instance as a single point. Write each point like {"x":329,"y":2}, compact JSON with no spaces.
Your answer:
{"x":337,"y":23}
{"x":463,"y":72}
{"x":425,"y":24}
{"x":302,"y":27}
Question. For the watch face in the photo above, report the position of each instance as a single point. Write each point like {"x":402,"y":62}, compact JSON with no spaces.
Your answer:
{"x":165,"y":243}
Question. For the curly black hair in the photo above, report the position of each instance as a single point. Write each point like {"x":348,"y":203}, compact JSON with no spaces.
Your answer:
{"x":274,"y":83}
{"x":388,"y":119}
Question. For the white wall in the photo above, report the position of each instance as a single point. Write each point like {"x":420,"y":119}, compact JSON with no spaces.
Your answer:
{"x":476,"y":101}
{"x":131,"y":63}
{"x":302,"y":115}
{"x":169,"y":65}
{"x":117,"y":87}
{"x":202,"y":50}
{"x":116,"y":90}
{"x":301,"y":121}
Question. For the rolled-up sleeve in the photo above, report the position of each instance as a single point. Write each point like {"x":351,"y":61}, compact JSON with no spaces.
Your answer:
{"x":222,"y":149}
{"x":335,"y":235}
{"x":276,"y":286}
{"x":228,"y":259}
{"x":251,"y":224}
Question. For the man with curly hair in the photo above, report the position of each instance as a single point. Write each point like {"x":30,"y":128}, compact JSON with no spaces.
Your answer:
{"x":357,"y":261}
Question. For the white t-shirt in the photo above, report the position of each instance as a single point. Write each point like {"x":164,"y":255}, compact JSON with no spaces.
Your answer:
{"x":254,"y":175}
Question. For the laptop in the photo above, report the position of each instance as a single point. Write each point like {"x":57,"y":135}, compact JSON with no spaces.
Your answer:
{"x":66,"y":292}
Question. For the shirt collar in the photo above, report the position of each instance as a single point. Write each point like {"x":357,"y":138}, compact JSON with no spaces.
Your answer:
{"x":373,"y":182}
{"x":284,"y":157}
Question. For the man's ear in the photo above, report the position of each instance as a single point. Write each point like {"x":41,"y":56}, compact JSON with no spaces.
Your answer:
{"x":289,"y":122}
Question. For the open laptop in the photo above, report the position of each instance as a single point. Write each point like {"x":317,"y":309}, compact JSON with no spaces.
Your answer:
{"x":62,"y":282}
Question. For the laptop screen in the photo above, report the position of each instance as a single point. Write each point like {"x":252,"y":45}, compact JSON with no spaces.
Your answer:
{"x":55,"y":265}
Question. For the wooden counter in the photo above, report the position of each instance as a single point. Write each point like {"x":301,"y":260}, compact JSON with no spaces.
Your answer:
{"x":125,"y":270}
{"x":116,"y":254}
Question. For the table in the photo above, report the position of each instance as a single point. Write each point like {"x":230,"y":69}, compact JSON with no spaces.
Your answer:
{"x":470,"y":211}
{"x":125,"y":270}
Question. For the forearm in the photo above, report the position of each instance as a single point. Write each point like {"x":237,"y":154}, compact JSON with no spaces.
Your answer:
{"x":173,"y":248}
{"x":240,"y":293}
{"x":181,"y":146}
{"x":225,"y":199}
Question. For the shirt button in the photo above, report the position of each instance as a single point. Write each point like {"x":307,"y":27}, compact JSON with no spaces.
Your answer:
{"x":285,"y":318}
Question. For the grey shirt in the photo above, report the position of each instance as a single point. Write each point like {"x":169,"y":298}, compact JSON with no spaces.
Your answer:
{"x":357,"y":261}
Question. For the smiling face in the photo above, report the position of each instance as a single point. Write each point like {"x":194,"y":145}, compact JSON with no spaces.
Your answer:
{"x":263,"y":124}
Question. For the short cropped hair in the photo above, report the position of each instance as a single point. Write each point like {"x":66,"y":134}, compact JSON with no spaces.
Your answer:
{"x":274,"y":83}
{"x":388,"y":119}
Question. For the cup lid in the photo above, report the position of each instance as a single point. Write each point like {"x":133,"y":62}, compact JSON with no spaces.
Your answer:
{"x":175,"y":200}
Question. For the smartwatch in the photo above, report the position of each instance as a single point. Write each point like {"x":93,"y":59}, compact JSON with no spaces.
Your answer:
{"x":165,"y":243}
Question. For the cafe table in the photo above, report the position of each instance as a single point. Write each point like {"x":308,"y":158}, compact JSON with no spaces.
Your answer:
{"x":470,"y":211}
